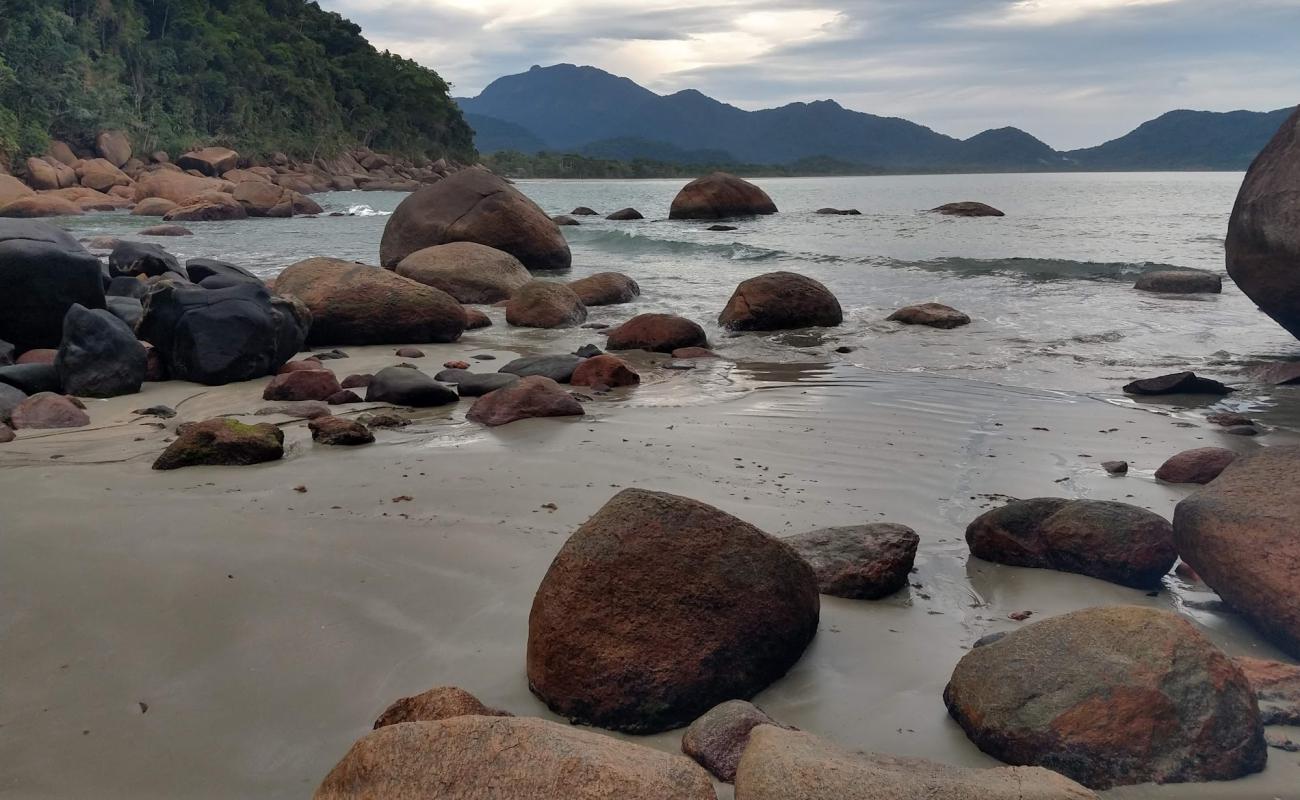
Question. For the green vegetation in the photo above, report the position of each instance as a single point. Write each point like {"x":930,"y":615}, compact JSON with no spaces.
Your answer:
{"x":256,"y":75}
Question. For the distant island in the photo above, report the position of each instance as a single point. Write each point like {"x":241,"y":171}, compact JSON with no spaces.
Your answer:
{"x":580,"y":121}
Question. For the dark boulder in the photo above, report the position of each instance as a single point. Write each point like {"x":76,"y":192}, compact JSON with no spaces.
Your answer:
{"x":7,"y":352}
{"x":200,"y":269}
{"x":558,"y":368}
{"x":526,"y":398}
{"x":127,"y":309}
{"x":1179,"y":281}
{"x":127,"y":287}
{"x":968,"y":208}
{"x":719,"y":196}
{"x":625,"y":214}
{"x":222,"y":442}
{"x":477,"y":384}
{"x":660,"y":333}
{"x":403,"y":386}
{"x":841,"y":212}
{"x":778,"y":301}
{"x":1176,"y":383}
{"x":99,"y":355}
{"x":31,"y":378}
{"x":10,"y":397}
{"x":583,"y":211}
{"x":860,"y":562}
{"x":43,"y":271}
{"x":934,"y":315}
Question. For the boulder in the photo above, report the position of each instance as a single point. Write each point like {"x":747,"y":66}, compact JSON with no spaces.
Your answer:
{"x":840,"y":212}
{"x":605,"y":289}
{"x":781,"y":764}
{"x":209,"y":160}
{"x":694,"y":352}
{"x":358,"y":304}
{"x":507,"y":758}
{"x":99,"y":355}
{"x":860,"y":562}
{"x":935,"y":315}
{"x":469,"y":272}
{"x":303,"y":364}
{"x":526,"y":398}
{"x":1115,"y":696}
{"x":544,"y":304}
{"x":31,"y":378}
{"x":625,"y":214}
{"x":721,"y":228}
{"x":474,"y":206}
{"x":438,"y":703}
{"x":1103,"y":539}
{"x":60,"y":152}
{"x":222,"y":442}
{"x":12,"y":189}
{"x":7,"y":351}
{"x":1199,"y":465}
{"x":403,"y":386}
{"x":358,"y":381}
{"x":339,"y":431}
{"x":616,"y":637}
{"x":153,"y":207}
{"x":91,"y":200}
{"x":165,"y":230}
{"x":779,"y":301}
{"x":1241,"y":533}
{"x":1176,"y":383}
{"x":1263,"y":243}
{"x":302,"y":384}
{"x":114,"y":147}
{"x":718,"y":196}
{"x":200,"y":269}
{"x":219,"y":336}
{"x":177,"y":187}
{"x":343,"y":397}
{"x":583,"y":211}
{"x":968,"y":208}
{"x":477,"y":384}
{"x":604,"y":370}
{"x":132,"y":259}
{"x":716,"y":740}
{"x":101,"y":175}
{"x":475,"y":319}
{"x":1277,"y":687}
{"x":660,"y":333}
{"x":263,"y":199}
{"x":43,"y":272}
{"x":41,"y":174}
{"x":10,"y":397}
{"x":207,"y":207}
{"x":128,"y":309}
{"x":40,"y":206}
{"x":48,"y":410}
{"x":1179,"y":281}
{"x":564,"y":219}
{"x":558,"y":368}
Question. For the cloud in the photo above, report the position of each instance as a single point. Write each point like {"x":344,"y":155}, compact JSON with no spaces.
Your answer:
{"x":1072,"y":72}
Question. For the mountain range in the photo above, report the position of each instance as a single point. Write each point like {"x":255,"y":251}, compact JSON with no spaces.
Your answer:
{"x":585,"y":110}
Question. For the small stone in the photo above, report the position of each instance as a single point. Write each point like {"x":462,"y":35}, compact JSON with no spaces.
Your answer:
{"x":1115,"y":467}
{"x":440,"y":702}
{"x":343,"y":397}
{"x":165,"y":412}
{"x":409,"y":352}
{"x":339,"y":431}
{"x":456,"y":364}
{"x":360,"y":381}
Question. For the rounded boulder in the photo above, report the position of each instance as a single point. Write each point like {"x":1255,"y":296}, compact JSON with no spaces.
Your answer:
{"x":659,"y":333}
{"x":780,"y":301}
{"x":545,"y":304}
{"x":719,"y":196}
{"x":469,"y":272}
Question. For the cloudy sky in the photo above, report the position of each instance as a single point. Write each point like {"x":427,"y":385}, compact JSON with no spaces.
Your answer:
{"x":1072,"y":72}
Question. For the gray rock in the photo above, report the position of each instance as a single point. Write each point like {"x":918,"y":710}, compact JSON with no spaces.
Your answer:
{"x":558,"y":368}
{"x":479,"y":384}
{"x":127,"y":309}
{"x":99,"y":355}
{"x":404,"y":386}
{"x":10,"y":397}
{"x":717,"y":740}
{"x":1179,"y":281}
{"x":860,"y":562}
{"x":31,"y":378}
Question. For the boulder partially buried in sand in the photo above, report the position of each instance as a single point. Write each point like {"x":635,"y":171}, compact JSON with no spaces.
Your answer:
{"x":719,"y":196}
{"x":474,"y":205}
{"x":526,"y":398}
{"x":222,"y":442}
{"x":616,"y":636}
{"x":1263,"y":243}
{"x":469,"y":272}
{"x":1114,"y":696}
{"x":545,"y":304}
{"x":438,"y":703}
{"x":1112,"y":541}
{"x":43,"y":271}
{"x":1198,"y":465}
{"x":1241,"y":533}
{"x":860,"y":562}
{"x":1176,"y":383}
{"x":476,"y":757}
{"x":779,"y":301}
{"x":358,"y":304}
{"x":660,"y":333}
{"x":605,"y":370}
{"x":781,"y":764}
{"x":49,"y":410}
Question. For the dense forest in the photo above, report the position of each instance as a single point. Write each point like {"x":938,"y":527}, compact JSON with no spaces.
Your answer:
{"x":255,"y":75}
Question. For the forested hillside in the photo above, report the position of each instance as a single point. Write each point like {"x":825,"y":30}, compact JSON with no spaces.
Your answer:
{"x":255,"y":75}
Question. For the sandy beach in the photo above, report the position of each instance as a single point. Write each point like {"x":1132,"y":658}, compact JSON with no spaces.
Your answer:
{"x":219,"y":632}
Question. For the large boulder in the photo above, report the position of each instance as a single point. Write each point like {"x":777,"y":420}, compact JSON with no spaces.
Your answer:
{"x":507,"y":758}
{"x":860,"y":562}
{"x":41,"y":174}
{"x":1104,"y":539}
{"x":526,"y":398}
{"x":354,"y":303}
{"x":219,"y":336}
{"x":200,"y":269}
{"x":1263,"y":243}
{"x":114,"y":147}
{"x":209,"y":160}
{"x":100,"y":175}
{"x":779,"y":301}
{"x":1108,"y":697}
{"x":207,"y":207}
{"x":617,"y":636}
{"x":1179,"y":281}
{"x":263,"y":199}
{"x":469,"y":272}
{"x":1198,"y":465}
{"x":177,"y":187}
{"x":40,"y":206}
{"x":1241,"y":533}
{"x":717,"y":739}
{"x":99,"y":355}
{"x":545,"y":304}
{"x":474,"y":205}
{"x":222,"y":442}
{"x":605,"y":289}
{"x":12,"y":189}
{"x":404,"y":386}
{"x":718,"y":196}
{"x":43,"y":272}
{"x":660,"y":333}
{"x":559,"y":367}
{"x":780,"y":764}
{"x":131,"y":259}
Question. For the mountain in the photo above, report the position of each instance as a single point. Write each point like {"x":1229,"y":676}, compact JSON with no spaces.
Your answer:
{"x":492,"y":135}
{"x":257,"y":75}
{"x":588,"y":111}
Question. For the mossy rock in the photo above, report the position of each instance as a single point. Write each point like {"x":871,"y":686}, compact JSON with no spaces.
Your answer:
{"x":222,"y":442}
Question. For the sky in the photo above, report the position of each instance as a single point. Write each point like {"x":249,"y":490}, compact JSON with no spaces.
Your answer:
{"x":1074,"y":73}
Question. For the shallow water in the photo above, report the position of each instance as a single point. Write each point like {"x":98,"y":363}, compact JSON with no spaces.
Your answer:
{"x":1049,"y":286}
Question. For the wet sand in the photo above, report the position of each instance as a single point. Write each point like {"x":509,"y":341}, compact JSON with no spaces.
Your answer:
{"x":265,"y":628}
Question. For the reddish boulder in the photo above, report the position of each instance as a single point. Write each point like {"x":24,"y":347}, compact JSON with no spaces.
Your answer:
{"x":718,"y":196}
{"x":38,"y":206}
{"x":49,"y":410}
{"x":533,"y":396}
{"x":209,"y":160}
{"x":152,"y":207}
{"x":860,"y":562}
{"x":1199,"y":465}
{"x":475,"y":319}
{"x":12,"y":189}
{"x":114,"y":147}
{"x":303,"y":364}
{"x":717,"y":739}
{"x":934,"y":315}
{"x":1277,"y":687}
{"x":778,"y":301}
{"x":41,"y":174}
{"x":303,"y":384}
{"x":39,"y":355}
{"x":469,"y":272}
{"x":339,"y":431}
{"x":177,"y":186}
{"x":263,"y":199}
{"x":660,"y":333}
{"x":605,"y":289}
{"x":604,"y":370}
{"x":440,"y":702}
{"x":101,"y":175}
{"x":207,"y":207}
{"x":343,"y":397}
{"x":544,"y":304}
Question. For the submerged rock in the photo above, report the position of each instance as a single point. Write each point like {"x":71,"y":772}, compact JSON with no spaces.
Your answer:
{"x":779,"y":301}
{"x":616,"y":639}
{"x":1200,"y":465}
{"x":935,"y":315}
{"x":860,"y":562}
{"x":719,"y":196}
{"x":1179,"y":281}
{"x":660,"y":333}
{"x":534,"y":396}
{"x":1177,"y":383}
{"x":222,"y":442}
{"x":968,"y":208}
{"x":545,"y":304}
{"x":843,"y":212}
{"x":1115,"y":696}
{"x":583,"y":211}
{"x":718,"y":738}
{"x":438,"y":703}
{"x":99,"y":355}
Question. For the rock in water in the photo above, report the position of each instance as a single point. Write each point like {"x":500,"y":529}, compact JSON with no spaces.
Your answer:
{"x":625,"y":214}
{"x":339,"y":431}
{"x":440,"y":702}
{"x":558,"y":368}
{"x":476,"y":757}
{"x":1177,"y":383}
{"x":544,"y":304}
{"x":617,"y":638}
{"x":583,"y":211}
{"x":605,"y":289}
{"x":719,"y":196}
{"x":1179,"y":281}
{"x":99,"y":355}
{"x":403,"y":386}
{"x":357,"y":304}
{"x":43,"y":271}
{"x":1263,"y":242}
{"x":469,"y":272}
{"x":860,"y":562}
{"x":474,"y":205}
{"x":779,"y":301}
{"x":1200,"y":465}
{"x":49,"y":410}
{"x":131,"y":259}
{"x":968,"y":208}
{"x":222,"y":442}
{"x":1241,"y":533}
{"x":605,"y":370}
{"x":717,"y":739}
{"x":1112,"y":541}
{"x":1109,"y":697}
{"x":935,"y":315}
{"x":526,"y":398}
{"x":660,"y":333}
{"x":780,"y":764}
